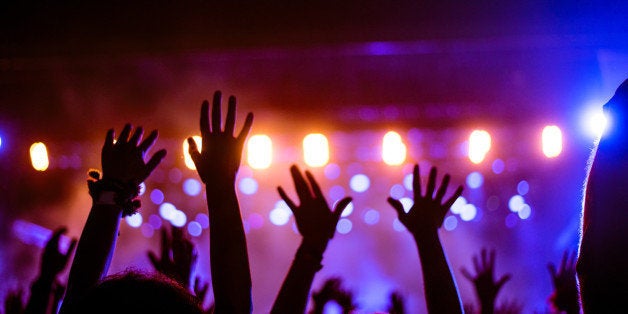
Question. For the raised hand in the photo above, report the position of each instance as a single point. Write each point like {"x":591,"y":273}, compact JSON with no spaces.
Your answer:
{"x":178,"y":256}
{"x":52,"y":260}
{"x":565,"y":297}
{"x":397,"y":303}
{"x":13,"y":303}
{"x":332,"y":290}
{"x":123,"y":159}
{"x":221,"y":152}
{"x":315,"y":220}
{"x":429,"y":210}
{"x":486,"y":286}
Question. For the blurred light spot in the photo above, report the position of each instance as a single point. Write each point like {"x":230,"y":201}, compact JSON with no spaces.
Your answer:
{"x":498,"y":166}
{"x":279,"y":216}
{"x":248,"y":186}
{"x":450,"y":223}
{"x":492,"y":203}
{"x":194,"y":229}
{"x":203,"y":220}
{"x":379,"y":48}
{"x":336,"y":192}
{"x":295,"y":228}
{"x":511,"y":220}
{"x":192,"y":187}
{"x":256,"y":220}
{"x":479,"y":145}
{"x":39,"y":156}
{"x":398,"y":226}
{"x":393,"y":149}
{"x":0,"y":142}
{"x":397,"y":191}
{"x":407,"y":203}
{"x":515,"y":203}
{"x":475,"y":180}
{"x":142,"y":189}
{"x":282,"y":204}
{"x":315,"y":150}
{"x":359,"y":183}
{"x":524,"y":212}
{"x":552,"y":141}
{"x":457,"y":206}
{"x":371,"y":217}
{"x":154,"y":221}
{"x":178,"y":219}
{"x":186,"y":151}
{"x":147,"y":230}
{"x":167,"y":211}
{"x":344,"y":226}
{"x":594,"y":121}
{"x":523,"y":187}
{"x":156,"y":196}
{"x":134,"y":220}
{"x":468,"y":212}
{"x":31,"y":233}
{"x":407,"y":181}
{"x":347,"y":211}
{"x":175,"y":175}
{"x":259,"y":151}
{"x":332,"y":171}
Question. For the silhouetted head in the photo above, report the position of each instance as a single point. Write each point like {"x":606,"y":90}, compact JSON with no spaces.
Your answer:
{"x":135,"y":292}
{"x":616,"y":111}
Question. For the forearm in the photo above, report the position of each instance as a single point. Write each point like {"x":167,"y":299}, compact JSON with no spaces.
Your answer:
{"x":231,"y":276}
{"x":94,"y":251}
{"x":294,"y":293}
{"x":441,"y":293}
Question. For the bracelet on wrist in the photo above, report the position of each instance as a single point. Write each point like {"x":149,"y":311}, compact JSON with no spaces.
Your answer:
{"x":113,"y":192}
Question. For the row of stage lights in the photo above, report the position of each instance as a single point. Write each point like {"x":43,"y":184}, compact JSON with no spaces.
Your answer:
{"x":316,"y":149}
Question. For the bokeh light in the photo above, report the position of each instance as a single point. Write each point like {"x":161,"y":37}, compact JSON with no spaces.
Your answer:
{"x":194,"y":229}
{"x":315,"y":150}
{"x":479,"y":145}
{"x":359,"y":183}
{"x":393,"y":149}
{"x":259,"y":151}
{"x":192,"y":187}
{"x":475,"y":180}
{"x":186,"y":151}
{"x":552,"y":141}
{"x":371,"y":217}
{"x":279,"y":216}
{"x":39,"y":156}
{"x":134,"y":220}
{"x":248,"y":186}
{"x":344,"y":226}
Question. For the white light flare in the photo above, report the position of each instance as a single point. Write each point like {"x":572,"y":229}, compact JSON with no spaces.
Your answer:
{"x":316,"y":150}
{"x":479,"y":145}
{"x":393,"y":149}
{"x":552,"y":141}
{"x":259,"y":151}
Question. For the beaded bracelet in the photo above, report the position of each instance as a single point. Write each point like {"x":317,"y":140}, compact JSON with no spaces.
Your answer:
{"x":125,"y":193}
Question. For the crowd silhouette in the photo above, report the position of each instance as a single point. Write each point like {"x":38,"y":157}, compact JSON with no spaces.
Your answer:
{"x":598,"y":282}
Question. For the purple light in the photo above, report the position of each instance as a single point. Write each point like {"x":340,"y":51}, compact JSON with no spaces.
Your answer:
{"x":194,"y":229}
{"x":332,"y":171}
{"x":157,"y":196}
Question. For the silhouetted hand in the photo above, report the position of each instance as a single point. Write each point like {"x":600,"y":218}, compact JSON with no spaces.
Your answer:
{"x":178,"y":256}
{"x":485,"y":285}
{"x":429,"y":210}
{"x":13,"y":302}
{"x":565,"y":296}
{"x":52,"y":261}
{"x":332,"y":290}
{"x":315,"y":220}
{"x":123,"y":159}
{"x":221,"y":152}
{"x":397,"y":302}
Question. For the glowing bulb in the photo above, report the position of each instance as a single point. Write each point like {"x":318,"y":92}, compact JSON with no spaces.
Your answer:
{"x":39,"y":156}
{"x":259,"y":151}
{"x":594,"y":121}
{"x":552,"y":141}
{"x":479,"y":145}
{"x":393,"y":149}
{"x":316,"y":150}
{"x":186,"y":151}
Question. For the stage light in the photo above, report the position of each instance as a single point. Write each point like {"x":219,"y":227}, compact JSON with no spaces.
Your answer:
{"x":178,"y":219}
{"x":167,"y":211}
{"x":192,"y":187}
{"x":259,"y":151}
{"x":194,"y":229}
{"x":479,"y":145}
{"x":186,"y":151}
{"x":39,"y":156}
{"x":359,"y":183}
{"x":248,"y":186}
{"x":475,"y":180}
{"x":515,"y":203}
{"x":457,"y":206}
{"x":594,"y":121}
{"x":315,"y":150}
{"x":347,"y":211}
{"x":279,"y":216}
{"x":0,"y":142}
{"x":524,"y":212}
{"x":344,"y":226}
{"x":135,"y":220}
{"x":468,"y":212}
{"x":407,"y":203}
{"x":552,"y":141}
{"x":393,"y":149}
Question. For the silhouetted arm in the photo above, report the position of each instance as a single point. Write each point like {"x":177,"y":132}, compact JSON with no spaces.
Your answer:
{"x":486,"y":287}
{"x":565,"y":297}
{"x":217,"y":164}
{"x":422,"y":221}
{"x":123,"y":169}
{"x":178,"y":256}
{"x":317,"y":224}
{"x":52,"y":263}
